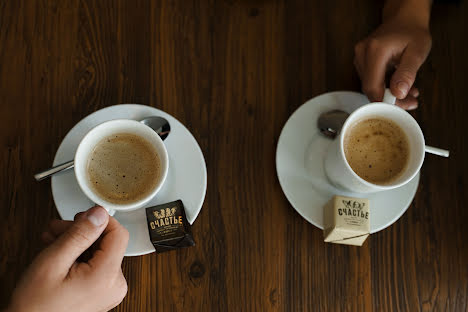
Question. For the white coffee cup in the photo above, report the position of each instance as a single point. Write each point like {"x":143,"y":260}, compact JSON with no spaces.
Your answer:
{"x":339,"y":171}
{"x":106,"y":129}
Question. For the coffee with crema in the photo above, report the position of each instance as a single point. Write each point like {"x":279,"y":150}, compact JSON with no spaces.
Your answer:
{"x":377,"y":150}
{"x":123,"y":168}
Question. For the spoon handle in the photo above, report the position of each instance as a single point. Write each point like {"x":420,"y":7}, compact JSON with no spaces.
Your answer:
{"x":437,"y":151}
{"x":49,"y":172}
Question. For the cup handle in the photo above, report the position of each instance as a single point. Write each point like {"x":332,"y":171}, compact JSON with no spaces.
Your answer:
{"x":388,"y":97}
{"x":111,"y":212}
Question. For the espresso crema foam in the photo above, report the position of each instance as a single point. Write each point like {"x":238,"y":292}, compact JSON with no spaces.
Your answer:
{"x":377,"y":150}
{"x":123,"y":168}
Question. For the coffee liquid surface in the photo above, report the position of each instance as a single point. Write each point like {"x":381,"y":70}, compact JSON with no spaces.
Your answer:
{"x":123,"y":168}
{"x":377,"y":150}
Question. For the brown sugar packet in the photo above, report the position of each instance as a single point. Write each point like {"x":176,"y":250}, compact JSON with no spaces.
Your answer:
{"x":168,"y":226}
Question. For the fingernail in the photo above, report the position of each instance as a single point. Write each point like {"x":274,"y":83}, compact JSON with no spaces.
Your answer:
{"x":97,"y":216}
{"x":411,"y":107}
{"x":403,"y":87}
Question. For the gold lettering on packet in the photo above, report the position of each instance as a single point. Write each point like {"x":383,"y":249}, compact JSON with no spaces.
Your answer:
{"x":168,"y":226}
{"x":165,"y":217}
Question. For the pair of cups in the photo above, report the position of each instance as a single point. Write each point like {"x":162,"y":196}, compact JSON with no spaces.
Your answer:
{"x":337,"y":167}
{"x":104,"y":130}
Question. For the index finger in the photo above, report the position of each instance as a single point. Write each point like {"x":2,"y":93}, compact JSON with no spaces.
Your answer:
{"x":112,"y":246}
{"x":373,"y":75}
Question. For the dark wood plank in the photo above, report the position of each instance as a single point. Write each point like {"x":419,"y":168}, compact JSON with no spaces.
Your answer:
{"x":233,"y":71}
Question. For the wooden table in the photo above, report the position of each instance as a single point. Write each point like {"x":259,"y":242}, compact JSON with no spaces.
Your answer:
{"x":233,"y":71}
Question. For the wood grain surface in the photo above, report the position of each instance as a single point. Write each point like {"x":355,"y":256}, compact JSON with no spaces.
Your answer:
{"x":233,"y":71}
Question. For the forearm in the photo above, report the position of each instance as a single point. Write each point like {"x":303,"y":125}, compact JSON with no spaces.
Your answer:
{"x":409,"y":11}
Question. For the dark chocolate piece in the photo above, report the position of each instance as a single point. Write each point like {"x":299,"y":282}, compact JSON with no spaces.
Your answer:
{"x":168,"y":226}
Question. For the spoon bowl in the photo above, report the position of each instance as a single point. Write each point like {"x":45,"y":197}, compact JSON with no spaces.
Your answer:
{"x":159,"y":124}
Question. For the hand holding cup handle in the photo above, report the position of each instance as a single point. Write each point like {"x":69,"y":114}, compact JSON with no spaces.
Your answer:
{"x":389,"y":98}
{"x":80,"y":269}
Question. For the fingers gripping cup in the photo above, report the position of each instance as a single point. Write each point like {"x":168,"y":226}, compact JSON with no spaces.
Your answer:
{"x":380,"y":147}
{"x":121,"y":165}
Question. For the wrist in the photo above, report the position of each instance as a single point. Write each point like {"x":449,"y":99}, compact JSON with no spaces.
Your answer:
{"x":408,"y":12}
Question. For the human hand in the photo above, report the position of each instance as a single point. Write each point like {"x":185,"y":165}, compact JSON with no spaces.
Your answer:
{"x":401,"y":43}
{"x":56,"y":281}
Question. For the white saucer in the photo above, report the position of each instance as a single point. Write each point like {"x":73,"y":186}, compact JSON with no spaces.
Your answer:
{"x":186,"y":179}
{"x":299,"y":165}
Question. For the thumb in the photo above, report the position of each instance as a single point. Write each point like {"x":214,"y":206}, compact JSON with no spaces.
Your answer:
{"x":405,"y":74}
{"x":63,"y":253}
